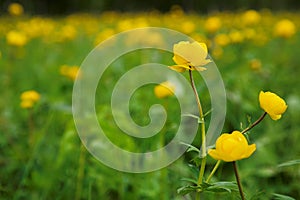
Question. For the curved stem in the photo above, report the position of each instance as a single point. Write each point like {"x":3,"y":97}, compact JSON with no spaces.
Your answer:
{"x":203,"y":163}
{"x":213,"y":171}
{"x":238,"y":180}
{"x":255,"y":123}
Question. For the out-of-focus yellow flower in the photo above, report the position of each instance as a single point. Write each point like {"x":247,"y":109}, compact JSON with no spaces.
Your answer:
{"x":236,"y":36}
{"x":16,"y":38}
{"x":70,"y":72}
{"x":104,"y":35}
{"x":272,"y":104}
{"x":15,"y":9}
{"x":29,"y":98}
{"x":222,"y":39}
{"x":68,"y":32}
{"x":188,"y":27}
{"x":251,"y":17}
{"x":232,"y":147}
{"x":284,"y":28}
{"x":189,"y":56}
{"x":164,"y":90}
{"x":212,"y":24}
{"x":255,"y":64}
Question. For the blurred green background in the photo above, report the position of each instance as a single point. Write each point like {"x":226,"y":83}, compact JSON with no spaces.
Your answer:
{"x":43,"y":43}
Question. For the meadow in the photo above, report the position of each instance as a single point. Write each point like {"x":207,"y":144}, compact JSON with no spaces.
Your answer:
{"x":41,"y":155}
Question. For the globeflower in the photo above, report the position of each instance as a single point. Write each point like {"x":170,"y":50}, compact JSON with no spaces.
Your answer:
{"x":70,"y":72}
{"x":15,"y":9}
{"x":284,"y":28}
{"x":189,"y":56}
{"x":232,"y":147}
{"x":251,"y":17}
{"x":272,"y":104}
{"x":212,"y":24}
{"x":29,"y":98}
{"x":16,"y":38}
{"x":164,"y":90}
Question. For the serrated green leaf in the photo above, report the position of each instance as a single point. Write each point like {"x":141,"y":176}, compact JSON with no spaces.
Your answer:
{"x":289,"y":163}
{"x":190,"y":180}
{"x":282,"y":197}
{"x":222,"y":186}
{"x":191,"y":147}
{"x":187,"y":189}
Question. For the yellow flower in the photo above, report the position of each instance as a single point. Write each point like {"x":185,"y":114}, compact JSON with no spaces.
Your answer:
{"x":189,"y":56}
{"x":164,"y":90}
{"x":16,"y":38}
{"x":255,"y":64}
{"x":222,"y":39}
{"x":70,"y":72}
{"x":232,"y":147}
{"x":212,"y":24}
{"x":284,"y":28}
{"x":272,"y":104}
{"x":251,"y":17}
{"x":15,"y":9}
{"x":28,"y":98}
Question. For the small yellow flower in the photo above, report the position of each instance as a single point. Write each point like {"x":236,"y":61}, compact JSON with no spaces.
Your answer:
{"x":284,"y":28}
{"x":222,"y":39}
{"x":16,"y":38}
{"x":15,"y":9}
{"x":272,"y":104}
{"x":189,"y":56}
{"x":29,"y":98}
{"x":164,"y":90}
{"x":232,"y":147}
{"x":212,"y":24}
{"x":251,"y":17}
{"x":255,"y":64}
{"x":70,"y":72}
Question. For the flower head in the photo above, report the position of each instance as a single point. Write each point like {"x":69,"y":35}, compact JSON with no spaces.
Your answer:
{"x":285,"y":28}
{"x":232,"y":147}
{"x":189,"y":56}
{"x":16,"y":38}
{"x":15,"y":9}
{"x":213,"y":24}
{"x":164,"y":89}
{"x":251,"y":17}
{"x":70,"y":72}
{"x":272,"y":104}
{"x":29,"y":98}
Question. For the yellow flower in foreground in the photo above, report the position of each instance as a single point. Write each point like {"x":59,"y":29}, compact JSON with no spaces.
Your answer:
{"x":164,"y":90}
{"x":272,"y":104}
{"x":16,"y":38}
{"x":189,"y":56}
{"x":15,"y":9}
{"x":29,"y":98}
{"x":232,"y":147}
{"x":285,"y":28}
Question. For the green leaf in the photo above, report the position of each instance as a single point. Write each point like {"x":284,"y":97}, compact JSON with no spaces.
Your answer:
{"x":190,"y":180}
{"x":222,"y":186}
{"x":191,"y":147}
{"x":289,"y":163}
{"x":282,"y":197}
{"x":187,"y":189}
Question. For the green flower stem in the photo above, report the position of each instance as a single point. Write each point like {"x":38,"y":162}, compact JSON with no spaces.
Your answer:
{"x":255,"y":123}
{"x":213,"y":171}
{"x":203,"y":163}
{"x":80,"y":173}
{"x":238,"y":180}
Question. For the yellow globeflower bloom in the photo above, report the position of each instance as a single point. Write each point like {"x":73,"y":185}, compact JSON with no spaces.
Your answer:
{"x":70,"y":72}
{"x":164,"y":90}
{"x":251,"y":17}
{"x":272,"y":104}
{"x":212,"y":24}
{"x":222,"y":39}
{"x":189,"y":56}
{"x":232,"y":147}
{"x":28,"y":98}
{"x":15,"y":9}
{"x":16,"y":38}
{"x":284,"y":28}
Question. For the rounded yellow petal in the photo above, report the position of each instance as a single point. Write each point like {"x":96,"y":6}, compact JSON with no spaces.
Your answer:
{"x":164,"y":90}
{"x":272,"y":104}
